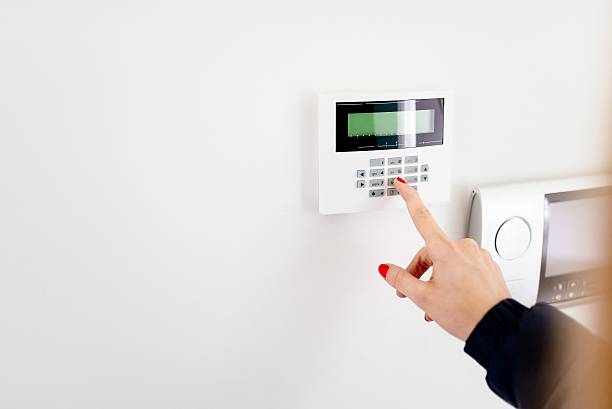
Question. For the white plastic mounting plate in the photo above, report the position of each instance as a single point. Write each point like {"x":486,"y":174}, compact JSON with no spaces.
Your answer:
{"x":423,"y":150}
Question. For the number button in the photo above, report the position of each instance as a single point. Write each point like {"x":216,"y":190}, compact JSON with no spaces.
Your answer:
{"x":411,"y":169}
{"x":377,"y":172}
{"x":394,"y":161}
{"x":411,"y":159}
{"x":377,"y":162}
{"x":395,"y":171}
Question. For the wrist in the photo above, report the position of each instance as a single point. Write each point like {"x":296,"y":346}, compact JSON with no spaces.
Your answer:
{"x":490,"y":332}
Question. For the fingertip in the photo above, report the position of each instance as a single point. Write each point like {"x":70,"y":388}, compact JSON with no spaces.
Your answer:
{"x":403,"y":186}
{"x":383,"y":269}
{"x":399,"y":183}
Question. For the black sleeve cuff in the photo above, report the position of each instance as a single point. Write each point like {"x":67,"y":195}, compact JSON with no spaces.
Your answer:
{"x":493,"y":329}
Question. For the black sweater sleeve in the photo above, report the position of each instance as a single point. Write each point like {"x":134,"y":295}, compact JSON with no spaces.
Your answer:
{"x":520,"y":349}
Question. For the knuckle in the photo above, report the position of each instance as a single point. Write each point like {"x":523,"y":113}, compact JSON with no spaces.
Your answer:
{"x":469,"y":243}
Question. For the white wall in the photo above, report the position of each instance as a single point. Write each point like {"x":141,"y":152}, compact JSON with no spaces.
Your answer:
{"x":159,"y":240}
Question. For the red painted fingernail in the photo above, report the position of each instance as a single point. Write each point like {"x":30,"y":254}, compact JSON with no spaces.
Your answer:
{"x":382,"y":269}
{"x":400,"y":180}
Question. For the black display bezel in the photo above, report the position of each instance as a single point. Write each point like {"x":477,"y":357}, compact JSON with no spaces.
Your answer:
{"x":344,"y":143}
{"x":588,"y":281}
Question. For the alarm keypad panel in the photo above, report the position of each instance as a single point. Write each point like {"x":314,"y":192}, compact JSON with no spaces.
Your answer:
{"x":366,"y":142}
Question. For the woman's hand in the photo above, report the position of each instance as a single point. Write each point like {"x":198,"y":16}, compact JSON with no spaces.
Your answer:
{"x":465,"y":282}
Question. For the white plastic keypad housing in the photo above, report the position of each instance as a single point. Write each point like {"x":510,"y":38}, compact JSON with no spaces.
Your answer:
{"x":350,"y":181}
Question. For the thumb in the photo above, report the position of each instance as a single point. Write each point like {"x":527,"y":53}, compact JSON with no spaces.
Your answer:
{"x":404,"y":282}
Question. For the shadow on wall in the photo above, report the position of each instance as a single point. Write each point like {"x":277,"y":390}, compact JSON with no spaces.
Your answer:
{"x":308,"y":154}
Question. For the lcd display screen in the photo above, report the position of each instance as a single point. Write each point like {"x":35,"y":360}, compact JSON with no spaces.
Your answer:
{"x":394,"y":124}
{"x":391,"y":123}
{"x":577,"y":234}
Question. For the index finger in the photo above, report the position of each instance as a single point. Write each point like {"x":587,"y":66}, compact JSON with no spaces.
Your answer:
{"x":434,"y":236}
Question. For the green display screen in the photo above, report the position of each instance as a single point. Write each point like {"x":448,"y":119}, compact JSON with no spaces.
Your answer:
{"x":391,"y":123}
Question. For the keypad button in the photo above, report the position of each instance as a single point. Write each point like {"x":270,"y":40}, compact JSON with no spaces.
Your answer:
{"x":411,"y":159}
{"x":377,"y":192}
{"x":390,"y":181}
{"x":377,"y":173}
{"x":558,"y":297}
{"x":392,"y":192}
{"x":415,"y":187}
{"x":395,"y":171}
{"x":411,"y":169}
{"x":573,"y":284}
{"x":424,"y":168}
{"x":571,"y":294}
{"x":394,"y":161}
{"x":361,"y":183}
{"x":411,"y":179}
{"x":559,"y":287}
{"x":424,"y":178}
{"x":377,"y":162}
{"x":377,"y":182}
{"x":360,"y":173}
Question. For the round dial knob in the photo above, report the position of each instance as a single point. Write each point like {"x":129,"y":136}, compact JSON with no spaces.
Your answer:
{"x":513,"y":238}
